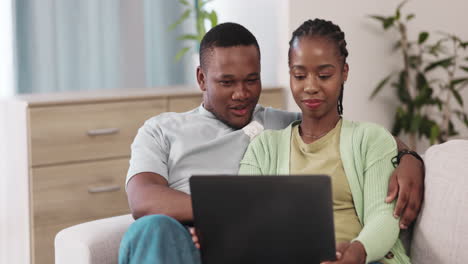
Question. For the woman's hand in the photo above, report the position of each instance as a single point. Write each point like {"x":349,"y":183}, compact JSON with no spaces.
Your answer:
{"x":193,"y":233}
{"x":349,"y":253}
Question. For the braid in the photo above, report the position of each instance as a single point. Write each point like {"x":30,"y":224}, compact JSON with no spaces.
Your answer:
{"x":326,"y":29}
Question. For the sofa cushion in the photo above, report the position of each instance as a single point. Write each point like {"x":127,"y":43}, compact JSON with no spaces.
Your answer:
{"x":441,"y":231}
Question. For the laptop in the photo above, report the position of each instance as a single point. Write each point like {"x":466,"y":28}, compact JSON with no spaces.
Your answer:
{"x":263,"y":219}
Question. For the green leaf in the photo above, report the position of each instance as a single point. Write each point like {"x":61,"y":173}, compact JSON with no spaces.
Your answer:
{"x":464,"y":68}
{"x":380,"y":85}
{"x":188,"y":37}
{"x":213,"y":18}
{"x":435,"y":132}
{"x":457,"y":96}
{"x":456,"y":82}
{"x":400,"y":6}
{"x":464,"y":44}
{"x":415,"y":123}
{"x":388,"y":23}
{"x":181,"y":53}
{"x":402,"y":90}
{"x":451,"y":129}
{"x":184,"y":2}
{"x":423,"y":37}
{"x":183,"y":17}
{"x":421,"y":81}
{"x":440,"y":63}
{"x":409,"y":17}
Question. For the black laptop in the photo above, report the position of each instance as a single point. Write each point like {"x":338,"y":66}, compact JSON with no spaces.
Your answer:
{"x":263,"y":219}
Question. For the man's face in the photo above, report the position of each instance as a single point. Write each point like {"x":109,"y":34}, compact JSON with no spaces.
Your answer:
{"x":231,"y":83}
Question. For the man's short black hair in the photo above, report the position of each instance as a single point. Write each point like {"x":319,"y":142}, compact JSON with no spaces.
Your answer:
{"x":226,"y":35}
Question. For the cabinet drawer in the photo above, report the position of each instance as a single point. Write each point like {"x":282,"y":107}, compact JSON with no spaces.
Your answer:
{"x":183,"y":104}
{"x":87,"y":131}
{"x":67,"y":195}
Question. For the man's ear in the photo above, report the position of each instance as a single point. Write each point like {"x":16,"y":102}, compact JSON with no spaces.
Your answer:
{"x":201,"y":78}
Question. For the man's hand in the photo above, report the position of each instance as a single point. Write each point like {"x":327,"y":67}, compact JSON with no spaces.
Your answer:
{"x":194,"y":237}
{"x":349,"y":253}
{"x":407,"y":183}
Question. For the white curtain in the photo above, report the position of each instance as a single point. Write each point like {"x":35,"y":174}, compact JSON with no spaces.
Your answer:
{"x":96,"y":44}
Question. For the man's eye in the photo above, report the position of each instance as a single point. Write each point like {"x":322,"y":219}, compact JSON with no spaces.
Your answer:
{"x":252,"y":81}
{"x":299,"y":77}
{"x":226,"y":83}
{"x":324,"y":77}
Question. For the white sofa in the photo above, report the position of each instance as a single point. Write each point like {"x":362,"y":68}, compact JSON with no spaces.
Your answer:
{"x":440,"y":234}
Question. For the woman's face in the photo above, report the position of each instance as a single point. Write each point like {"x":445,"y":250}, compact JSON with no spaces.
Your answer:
{"x":317,"y":72}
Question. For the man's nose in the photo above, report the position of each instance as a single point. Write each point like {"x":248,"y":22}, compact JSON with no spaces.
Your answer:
{"x":241,"y":92}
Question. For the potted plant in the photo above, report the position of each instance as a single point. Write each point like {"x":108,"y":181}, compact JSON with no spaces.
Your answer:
{"x":201,"y":15}
{"x":429,"y":82}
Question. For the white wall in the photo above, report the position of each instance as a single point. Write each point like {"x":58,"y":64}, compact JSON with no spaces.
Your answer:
{"x":370,"y":56}
{"x":7,"y":84}
{"x":267,"y":20}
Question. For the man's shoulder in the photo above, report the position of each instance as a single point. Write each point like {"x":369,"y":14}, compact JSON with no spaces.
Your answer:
{"x":273,"y":118}
{"x":171,"y":118}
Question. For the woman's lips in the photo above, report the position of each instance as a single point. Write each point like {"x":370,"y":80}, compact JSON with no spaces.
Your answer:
{"x":313,"y":103}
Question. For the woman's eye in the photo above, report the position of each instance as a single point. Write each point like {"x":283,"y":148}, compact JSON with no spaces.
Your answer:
{"x":299,"y":77}
{"x":252,"y":81}
{"x":324,"y":77}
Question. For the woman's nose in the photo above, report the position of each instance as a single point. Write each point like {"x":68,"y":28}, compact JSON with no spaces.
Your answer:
{"x":311,"y":86}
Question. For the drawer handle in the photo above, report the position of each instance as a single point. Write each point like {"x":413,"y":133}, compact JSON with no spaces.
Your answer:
{"x":103,"y":131}
{"x":111,"y":188}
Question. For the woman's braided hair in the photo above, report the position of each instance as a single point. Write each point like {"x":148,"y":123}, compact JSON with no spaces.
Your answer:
{"x":326,"y":29}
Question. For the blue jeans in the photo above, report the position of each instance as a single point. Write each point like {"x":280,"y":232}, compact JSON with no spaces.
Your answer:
{"x":158,"y":239}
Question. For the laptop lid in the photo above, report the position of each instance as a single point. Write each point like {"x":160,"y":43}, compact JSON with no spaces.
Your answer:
{"x":263,"y":219}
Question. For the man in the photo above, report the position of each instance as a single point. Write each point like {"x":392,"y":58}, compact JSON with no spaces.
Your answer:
{"x":212,"y":139}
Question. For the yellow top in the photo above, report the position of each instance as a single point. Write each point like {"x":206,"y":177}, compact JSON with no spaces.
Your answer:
{"x":323,"y":157}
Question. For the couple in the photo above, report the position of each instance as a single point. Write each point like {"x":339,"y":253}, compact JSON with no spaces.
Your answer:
{"x":213,"y":138}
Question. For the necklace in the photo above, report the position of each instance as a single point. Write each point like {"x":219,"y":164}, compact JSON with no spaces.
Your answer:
{"x":301,"y":132}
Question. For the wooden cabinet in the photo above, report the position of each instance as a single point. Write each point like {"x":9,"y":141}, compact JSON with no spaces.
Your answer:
{"x":65,"y":157}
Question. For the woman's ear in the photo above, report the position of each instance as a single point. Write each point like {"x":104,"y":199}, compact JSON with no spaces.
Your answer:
{"x":201,"y":78}
{"x":345,"y":72}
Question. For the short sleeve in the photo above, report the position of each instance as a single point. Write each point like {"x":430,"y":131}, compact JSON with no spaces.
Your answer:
{"x":149,"y":151}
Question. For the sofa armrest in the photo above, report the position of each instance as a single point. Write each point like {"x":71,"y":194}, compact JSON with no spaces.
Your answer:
{"x":92,"y":242}
{"x":440,"y":233}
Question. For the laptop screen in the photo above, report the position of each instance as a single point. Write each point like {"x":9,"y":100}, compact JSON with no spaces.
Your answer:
{"x":263,"y":219}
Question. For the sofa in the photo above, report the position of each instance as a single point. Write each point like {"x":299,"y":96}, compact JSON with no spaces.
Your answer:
{"x":440,"y":234}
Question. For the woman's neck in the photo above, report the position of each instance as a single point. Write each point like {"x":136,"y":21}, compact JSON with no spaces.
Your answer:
{"x":311,"y":129}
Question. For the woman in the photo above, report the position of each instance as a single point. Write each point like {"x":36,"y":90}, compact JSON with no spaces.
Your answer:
{"x":357,"y":156}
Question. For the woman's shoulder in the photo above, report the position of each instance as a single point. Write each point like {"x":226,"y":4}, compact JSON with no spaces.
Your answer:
{"x":368,"y":133}
{"x":366,"y":128}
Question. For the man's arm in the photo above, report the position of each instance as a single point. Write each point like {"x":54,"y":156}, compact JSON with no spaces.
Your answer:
{"x":406,"y":183}
{"x":148,"y":193}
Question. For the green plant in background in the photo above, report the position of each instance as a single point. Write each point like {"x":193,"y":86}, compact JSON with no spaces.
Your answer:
{"x":429,"y":82}
{"x":198,"y":10}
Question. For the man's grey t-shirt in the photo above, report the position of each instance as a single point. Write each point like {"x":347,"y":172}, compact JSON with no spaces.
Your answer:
{"x":179,"y":145}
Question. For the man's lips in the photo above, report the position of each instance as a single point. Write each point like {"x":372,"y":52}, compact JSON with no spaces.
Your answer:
{"x":312,"y":103}
{"x":240,"y":110}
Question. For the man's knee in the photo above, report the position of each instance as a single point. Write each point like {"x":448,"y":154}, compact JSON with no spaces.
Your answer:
{"x":155,"y":225}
